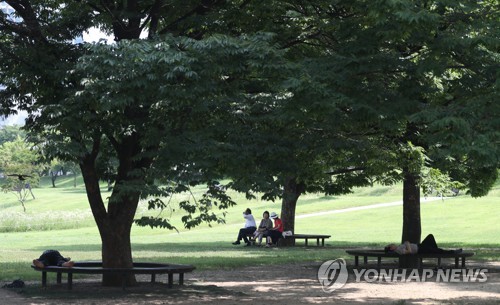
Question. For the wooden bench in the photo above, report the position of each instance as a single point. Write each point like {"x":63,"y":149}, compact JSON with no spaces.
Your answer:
{"x":306,"y":237}
{"x":381,"y":253}
{"x":96,"y":268}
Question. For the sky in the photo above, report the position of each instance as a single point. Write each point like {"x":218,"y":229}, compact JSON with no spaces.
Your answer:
{"x":14,"y":119}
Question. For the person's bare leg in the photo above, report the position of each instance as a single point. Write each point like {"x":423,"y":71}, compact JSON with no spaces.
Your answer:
{"x":68,"y":264}
{"x":38,"y":264}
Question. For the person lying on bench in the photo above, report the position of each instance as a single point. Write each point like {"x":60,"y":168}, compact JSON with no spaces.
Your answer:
{"x":53,"y":258}
{"x":427,"y":246}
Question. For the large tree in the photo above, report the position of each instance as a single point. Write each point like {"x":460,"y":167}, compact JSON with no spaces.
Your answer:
{"x":318,"y":135}
{"x":20,"y":164}
{"x":384,"y":89}
{"x":152,"y":104}
{"x":452,"y":87}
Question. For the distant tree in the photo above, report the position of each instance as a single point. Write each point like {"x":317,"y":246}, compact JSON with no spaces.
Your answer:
{"x":9,"y":133}
{"x":19,"y":162}
{"x":55,"y":168}
{"x":74,"y":169}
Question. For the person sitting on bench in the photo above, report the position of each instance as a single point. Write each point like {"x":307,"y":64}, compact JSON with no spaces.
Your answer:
{"x":276,"y":232}
{"x":265,"y":225}
{"x":53,"y":258}
{"x":250,"y":227}
{"x":427,"y":246}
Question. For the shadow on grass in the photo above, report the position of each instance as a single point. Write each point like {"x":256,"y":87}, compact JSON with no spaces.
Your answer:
{"x":186,"y":247}
{"x":223,"y":255}
{"x":288,"y":284}
{"x":315,"y":200}
{"x":79,"y":190}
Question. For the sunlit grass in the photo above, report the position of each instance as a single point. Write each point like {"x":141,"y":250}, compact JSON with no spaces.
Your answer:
{"x":456,"y":222}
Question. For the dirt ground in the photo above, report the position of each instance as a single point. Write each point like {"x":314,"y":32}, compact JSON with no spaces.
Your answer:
{"x":281,"y":284}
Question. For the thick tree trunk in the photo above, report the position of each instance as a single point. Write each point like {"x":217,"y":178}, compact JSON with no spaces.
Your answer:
{"x":114,"y":224}
{"x":411,"y":209}
{"x":291,"y":193}
{"x":117,"y":252}
{"x":411,"y":215}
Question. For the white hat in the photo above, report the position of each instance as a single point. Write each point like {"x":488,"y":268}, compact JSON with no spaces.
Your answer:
{"x":274,"y":215}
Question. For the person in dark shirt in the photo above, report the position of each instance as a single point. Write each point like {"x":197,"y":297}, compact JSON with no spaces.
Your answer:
{"x":53,"y":258}
{"x":427,"y":246}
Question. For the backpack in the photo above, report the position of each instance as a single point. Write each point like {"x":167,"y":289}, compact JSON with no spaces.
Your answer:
{"x":14,"y":284}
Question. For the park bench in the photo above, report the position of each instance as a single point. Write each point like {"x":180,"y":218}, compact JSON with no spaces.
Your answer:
{"x":306,"y":237}
{"x":381,"y":253}
{"x":96,"y":268}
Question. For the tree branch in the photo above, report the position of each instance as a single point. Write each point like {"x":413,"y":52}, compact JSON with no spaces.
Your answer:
{"x":154,"y":16}
{"x":202,"y":7}
{"x":24,"y":9}
{"x":302,"y":40}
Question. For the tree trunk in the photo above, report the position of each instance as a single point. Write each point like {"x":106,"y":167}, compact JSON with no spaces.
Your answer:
{"x":53,"y":177}
{"x":117,"y":252}
{"x":411,"y":215}
{"x":114,"y":224}
{"x":291,"y":193}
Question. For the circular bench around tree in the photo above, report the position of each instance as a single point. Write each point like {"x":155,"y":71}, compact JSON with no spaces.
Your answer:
{"x":381,"y":253}
{"x":96,"y":268}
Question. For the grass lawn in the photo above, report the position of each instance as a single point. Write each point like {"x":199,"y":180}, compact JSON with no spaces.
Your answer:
{"x":456,"y":222}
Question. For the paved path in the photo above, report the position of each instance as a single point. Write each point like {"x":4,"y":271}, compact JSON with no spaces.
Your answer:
{"x":366,"y":207}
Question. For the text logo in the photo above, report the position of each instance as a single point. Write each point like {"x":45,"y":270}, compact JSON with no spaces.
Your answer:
{"x":333,"y":275}
{"x":405,"y":276}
